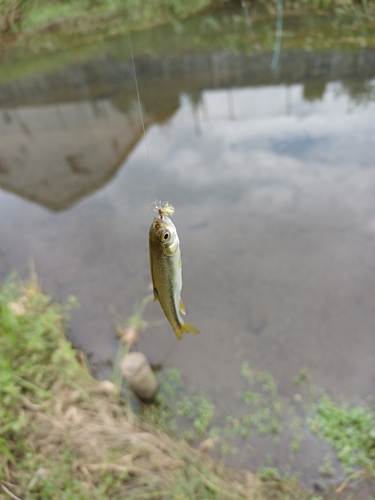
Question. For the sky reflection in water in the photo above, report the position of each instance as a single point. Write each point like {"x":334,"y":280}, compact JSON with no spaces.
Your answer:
{"x":275,"y":208}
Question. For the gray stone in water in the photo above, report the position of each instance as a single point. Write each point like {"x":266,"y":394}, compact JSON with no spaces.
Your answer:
{"x":138,"y":374}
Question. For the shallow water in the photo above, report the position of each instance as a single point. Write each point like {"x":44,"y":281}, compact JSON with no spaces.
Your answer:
{"x":272,"y":176}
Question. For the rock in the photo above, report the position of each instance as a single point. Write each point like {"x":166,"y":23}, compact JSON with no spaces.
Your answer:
{"x":107,"y":387}
{"x":208,"y":444}
{"x":138,"y":374}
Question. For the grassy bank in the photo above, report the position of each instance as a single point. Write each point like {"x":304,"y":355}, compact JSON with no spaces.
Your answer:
{"x":60,"y":24}
{"x":225,"y":31}
{"x":23,"y":15}
{"x":33,"y":15}
{"x":65,"y":435}
{"x":39,"y":26}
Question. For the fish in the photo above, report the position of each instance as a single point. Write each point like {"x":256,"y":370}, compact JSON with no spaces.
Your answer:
{"x":166,"y":268}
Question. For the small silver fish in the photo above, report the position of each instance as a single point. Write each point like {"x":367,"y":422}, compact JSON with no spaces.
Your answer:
{"x":166,"y":269}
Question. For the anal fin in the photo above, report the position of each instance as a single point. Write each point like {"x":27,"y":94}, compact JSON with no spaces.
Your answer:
{"x":182,"y":307}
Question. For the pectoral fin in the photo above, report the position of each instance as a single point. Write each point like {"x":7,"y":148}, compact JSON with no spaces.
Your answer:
{"x":156,"y":296}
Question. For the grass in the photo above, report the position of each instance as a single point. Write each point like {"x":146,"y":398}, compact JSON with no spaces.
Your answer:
{"x":41,"y":14}
{"x":65,"y":435}
{"x":193,"y":415}
{"x":40,"y":26}
{"x":28,"y":50}
{"x":350,"y":430}
{"x":49,"y":25}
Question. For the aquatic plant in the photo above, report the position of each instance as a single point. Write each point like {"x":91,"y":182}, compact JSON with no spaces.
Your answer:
{"x":196,"y":417}
{"x":350,"y":430}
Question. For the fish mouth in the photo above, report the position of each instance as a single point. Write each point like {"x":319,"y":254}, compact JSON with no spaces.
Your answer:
{"x":157,"y":224}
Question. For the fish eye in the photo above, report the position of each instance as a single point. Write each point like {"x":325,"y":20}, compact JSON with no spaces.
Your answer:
{"x":166,"y":236}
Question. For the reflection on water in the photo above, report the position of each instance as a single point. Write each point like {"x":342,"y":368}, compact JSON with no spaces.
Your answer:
{"x":273,"y":180}
{"x":56,"y":154}
{"x":65,"y":134}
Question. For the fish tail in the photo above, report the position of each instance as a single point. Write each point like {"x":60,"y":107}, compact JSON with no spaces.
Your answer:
{"x":185,"y":328}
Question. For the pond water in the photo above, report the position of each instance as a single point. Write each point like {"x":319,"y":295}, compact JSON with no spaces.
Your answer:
{"x":272,"y":176}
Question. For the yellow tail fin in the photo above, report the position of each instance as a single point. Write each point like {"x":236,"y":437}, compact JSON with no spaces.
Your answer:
{"x":187,"y":328}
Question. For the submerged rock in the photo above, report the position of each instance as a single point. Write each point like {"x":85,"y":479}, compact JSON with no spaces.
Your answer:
{"x":139,"y":375}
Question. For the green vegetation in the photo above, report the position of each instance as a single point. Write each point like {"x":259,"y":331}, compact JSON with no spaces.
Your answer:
{"x":197,"y":418}
{"x":51,"y":25}
{"x":41,"y":26}
{"x":30,"y":329}
{"x":349,"y":430}
{"x":65,"y":435}
{"x":23,"y":15}
{"x":269,"y":474}
{"x":327,"y":469}
{"x":101,"y":31}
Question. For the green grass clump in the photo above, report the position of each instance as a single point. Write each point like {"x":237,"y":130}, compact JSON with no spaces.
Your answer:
{"x":349,"y":430}
{"x":269,"y":474}
{"x":264,"y":407}
{"x":35,"y":361}
{"x":30,"y":341}
{"x":179,"y":411}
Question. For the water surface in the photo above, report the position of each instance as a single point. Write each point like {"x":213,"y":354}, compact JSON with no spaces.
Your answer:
{"x":272,"y":176}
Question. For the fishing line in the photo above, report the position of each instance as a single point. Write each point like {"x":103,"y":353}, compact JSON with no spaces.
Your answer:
{"x":141,"y":114}
{"x":164,"y":250}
